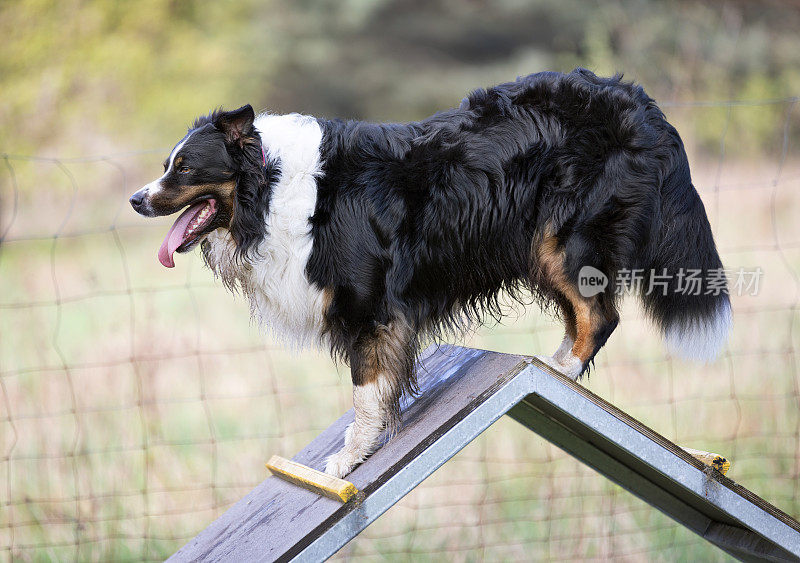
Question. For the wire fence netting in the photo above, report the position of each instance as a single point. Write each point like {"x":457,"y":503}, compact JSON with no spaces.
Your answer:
{"x":138,"y":403}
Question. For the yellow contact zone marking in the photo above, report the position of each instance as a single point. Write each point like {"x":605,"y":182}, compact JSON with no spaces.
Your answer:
{"x":311,"y":479}
{"x":716,"y":461}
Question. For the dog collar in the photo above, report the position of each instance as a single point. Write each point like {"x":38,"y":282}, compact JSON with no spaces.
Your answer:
{"x":263,"y":156}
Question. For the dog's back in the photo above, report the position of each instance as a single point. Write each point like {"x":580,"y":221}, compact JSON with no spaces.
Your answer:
{"x":466,"y":203}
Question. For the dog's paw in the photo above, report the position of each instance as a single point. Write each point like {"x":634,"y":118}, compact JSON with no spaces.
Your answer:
{"x":342,"y":463}
{"x":571,"y":366}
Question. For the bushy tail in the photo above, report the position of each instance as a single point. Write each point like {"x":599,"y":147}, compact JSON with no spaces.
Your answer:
{"x":685,"y":291}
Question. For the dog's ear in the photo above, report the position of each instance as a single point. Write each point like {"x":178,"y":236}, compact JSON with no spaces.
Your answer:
{"x":236,"y":124}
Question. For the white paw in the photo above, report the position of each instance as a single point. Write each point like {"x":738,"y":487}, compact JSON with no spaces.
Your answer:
{"x":571,"y":366}
{"x":549,"y":360}
{"x":342,"y":463}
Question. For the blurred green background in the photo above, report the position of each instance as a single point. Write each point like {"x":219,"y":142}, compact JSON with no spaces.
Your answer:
{"x":138,"y":403}
{"x":97,"y":76}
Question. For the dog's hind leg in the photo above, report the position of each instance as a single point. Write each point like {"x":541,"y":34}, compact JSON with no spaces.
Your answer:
{"x":593,"y":326}
{"x":381,"y":365}
{"x":589,"y":320}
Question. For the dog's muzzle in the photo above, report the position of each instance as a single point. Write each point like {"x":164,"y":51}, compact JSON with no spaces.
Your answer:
{"x":140,"y":204}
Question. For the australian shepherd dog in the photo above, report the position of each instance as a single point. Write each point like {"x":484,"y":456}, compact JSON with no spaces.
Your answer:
{"x":369,"y":238}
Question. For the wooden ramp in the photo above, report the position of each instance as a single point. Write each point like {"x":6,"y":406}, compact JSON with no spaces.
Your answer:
{"x":463,"y":392}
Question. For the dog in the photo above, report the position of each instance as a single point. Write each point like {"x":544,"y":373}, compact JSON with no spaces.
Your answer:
{"x":370,"y":238}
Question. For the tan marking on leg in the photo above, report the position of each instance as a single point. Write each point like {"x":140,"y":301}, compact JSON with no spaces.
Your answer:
{"x":386,"y":352}
{"x":584,"y":318}
{"x":327,"y":300}
{"x":585,"y":321}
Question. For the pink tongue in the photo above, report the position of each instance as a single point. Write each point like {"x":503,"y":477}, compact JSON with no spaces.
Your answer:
{"x":177,"y":233}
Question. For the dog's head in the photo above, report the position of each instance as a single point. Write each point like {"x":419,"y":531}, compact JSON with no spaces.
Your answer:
{"x":218,"y":175}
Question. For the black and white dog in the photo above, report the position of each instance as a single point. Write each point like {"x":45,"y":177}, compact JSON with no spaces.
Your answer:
{"x":368,"y":238}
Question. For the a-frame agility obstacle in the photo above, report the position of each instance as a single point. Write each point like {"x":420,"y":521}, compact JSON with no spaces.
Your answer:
{"x":463,"y":391}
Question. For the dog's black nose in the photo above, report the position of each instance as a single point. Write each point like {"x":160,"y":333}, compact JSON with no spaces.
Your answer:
{"x":137,"y":199}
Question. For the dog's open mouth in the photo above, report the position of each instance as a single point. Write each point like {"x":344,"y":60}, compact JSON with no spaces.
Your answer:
{"x":186,"y":229}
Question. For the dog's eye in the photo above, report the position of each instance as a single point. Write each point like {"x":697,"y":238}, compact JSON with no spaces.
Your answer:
{"x":184,"y":170}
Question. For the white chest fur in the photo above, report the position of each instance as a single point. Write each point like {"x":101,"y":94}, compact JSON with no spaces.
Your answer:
{"x":281,"y":297}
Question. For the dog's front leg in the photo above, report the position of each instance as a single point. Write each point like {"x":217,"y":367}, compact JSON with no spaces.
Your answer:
{"x":381,"y":364}
{"x":372,"y":403}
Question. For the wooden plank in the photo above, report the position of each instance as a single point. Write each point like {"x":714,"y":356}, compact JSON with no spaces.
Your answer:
{"x":277,"y":519}
{"x":311,"y":479}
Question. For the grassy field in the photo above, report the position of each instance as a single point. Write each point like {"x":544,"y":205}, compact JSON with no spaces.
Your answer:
{"x":139,"y":402}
